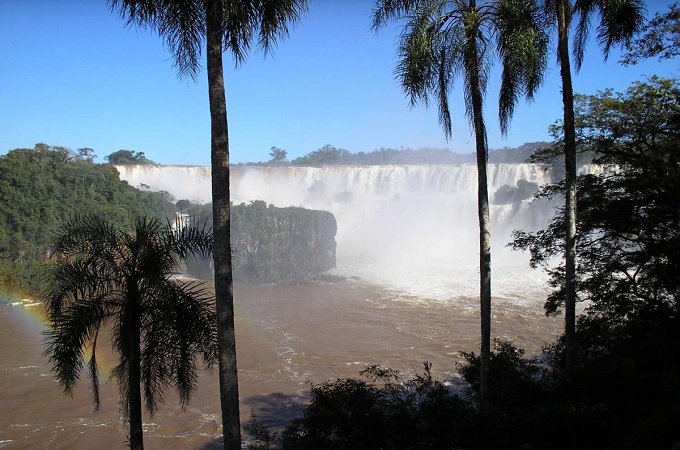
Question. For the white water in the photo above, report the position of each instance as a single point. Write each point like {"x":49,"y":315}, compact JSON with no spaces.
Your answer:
{"x":410,"y":228}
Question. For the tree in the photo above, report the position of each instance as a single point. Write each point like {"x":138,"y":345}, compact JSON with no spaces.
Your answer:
{"x":100,"y":276}
{"x":220,"y":25}
{"x":40,"y":189}
{"x":660,"y":38}
{"x":629,"y":257}
{"x":618,"y":22}
{"x":86,"y":154}
{"x":325,"y":156}
{"x":127,"y":157}
{"x":278,"y":155}
{"x":629,"y":231}
{"x":440,"y":40}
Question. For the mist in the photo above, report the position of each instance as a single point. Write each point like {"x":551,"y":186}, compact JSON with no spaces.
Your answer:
{"x":410,"y":228}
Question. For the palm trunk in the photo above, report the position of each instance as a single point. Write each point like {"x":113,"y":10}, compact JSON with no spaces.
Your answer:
{"x":484,"y":223}
{"x":134,"y":370}
{"x":570,"y":186}
{"x":224,"y":287}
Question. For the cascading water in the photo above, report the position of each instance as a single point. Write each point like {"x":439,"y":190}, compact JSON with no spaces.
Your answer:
{"x":410,"y":228}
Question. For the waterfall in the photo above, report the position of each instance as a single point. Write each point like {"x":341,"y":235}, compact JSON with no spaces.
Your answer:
{"x":413,"y":228}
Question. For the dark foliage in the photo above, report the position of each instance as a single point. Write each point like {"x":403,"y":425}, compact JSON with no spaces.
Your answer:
{"x":101,"y":277}
{"x":659,"y":38}
{"x":419,"y":413}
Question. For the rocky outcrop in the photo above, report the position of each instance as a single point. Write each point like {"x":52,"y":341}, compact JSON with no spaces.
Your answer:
{"x":507,"y":194}
{"x":277,"y":244}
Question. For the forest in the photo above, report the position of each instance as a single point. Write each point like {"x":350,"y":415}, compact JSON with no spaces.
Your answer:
{"x":41,"y":188}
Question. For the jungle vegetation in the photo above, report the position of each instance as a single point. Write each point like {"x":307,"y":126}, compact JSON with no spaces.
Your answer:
{"x":41,"y":188}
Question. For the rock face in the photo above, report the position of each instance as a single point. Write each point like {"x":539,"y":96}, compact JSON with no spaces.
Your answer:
{"x":507,"y":194}
{"x":279,"y":244}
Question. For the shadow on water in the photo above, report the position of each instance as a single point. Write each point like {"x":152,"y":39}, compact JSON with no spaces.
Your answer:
{"x":275,"y":411}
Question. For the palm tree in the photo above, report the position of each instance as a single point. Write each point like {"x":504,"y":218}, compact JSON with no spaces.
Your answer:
{"x":100,"y":276}
{"x":221,"y":25}
{"x":444,"y":38}
{"x":619,"y":20}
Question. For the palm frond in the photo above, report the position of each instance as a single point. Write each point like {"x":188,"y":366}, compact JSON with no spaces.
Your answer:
{"x":240,"y":22}
{"x":619,"y":20}
{"x":66,"y":338}
{"x":93,"y":369}
{"x":190,"y":239}
{"x":522,"y":45}
{"x":430,"y":54}
{"x":181,"y":24}
{"x":183,"y":31}
{"x":275,"y":17}
{"x":584,"y":9}
{"x":183,"y":324}
{"x":388,"y":10}
{"x":417,"y":64}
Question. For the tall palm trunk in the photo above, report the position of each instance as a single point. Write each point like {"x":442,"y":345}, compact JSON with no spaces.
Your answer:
{"x":473,"y":71}
{"x":224,"y":287}
{"x":570,"y":184}
{"x":134,"y":369}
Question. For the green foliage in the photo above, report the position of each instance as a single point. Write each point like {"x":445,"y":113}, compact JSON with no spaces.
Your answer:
{"x":325,"y":156}
{"x":660,"y":38}
{"x":623,"y":394}
{"x":122,"y":157}
{"x":330,"y":156}
{"x":262,"y":437}
{"x":41,"y":188}
{"x":625,"y":378}
{"x":623,"y":391}
{"x":442,"y":40}
{"x":272,"y":244}
{"x":278,"y":155}
{"x":515,"y":379}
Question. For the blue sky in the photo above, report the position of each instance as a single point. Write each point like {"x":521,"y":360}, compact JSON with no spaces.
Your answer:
{"x":74,"y":75}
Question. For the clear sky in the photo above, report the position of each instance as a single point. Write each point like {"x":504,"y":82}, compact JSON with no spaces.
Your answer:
{"x":74,"y":75}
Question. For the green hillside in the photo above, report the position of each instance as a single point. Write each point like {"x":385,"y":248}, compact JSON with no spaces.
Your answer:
{"x":42,"y":187}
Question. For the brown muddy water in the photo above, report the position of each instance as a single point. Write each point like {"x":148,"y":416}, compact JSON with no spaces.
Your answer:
{"x":287,"y":337}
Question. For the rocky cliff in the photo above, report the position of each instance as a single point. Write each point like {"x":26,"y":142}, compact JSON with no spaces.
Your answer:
{"x":276,"y":244}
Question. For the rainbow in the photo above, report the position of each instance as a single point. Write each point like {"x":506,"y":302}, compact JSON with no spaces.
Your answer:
{"x":30,"y":313}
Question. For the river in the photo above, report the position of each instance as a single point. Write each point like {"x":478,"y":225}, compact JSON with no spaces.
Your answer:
{"x":287,"y":336}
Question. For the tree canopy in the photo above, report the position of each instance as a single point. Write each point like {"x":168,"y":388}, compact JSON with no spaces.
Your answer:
{"x":40,"y":188}
{"x":128,"y":157}
{"x":659,"y":38}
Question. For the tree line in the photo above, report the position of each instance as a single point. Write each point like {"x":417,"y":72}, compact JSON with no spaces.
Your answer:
{"x":329,"y":155}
